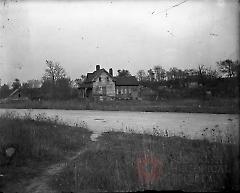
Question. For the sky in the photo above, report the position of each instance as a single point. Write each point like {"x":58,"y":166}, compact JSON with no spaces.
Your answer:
{"x":116,"y":34}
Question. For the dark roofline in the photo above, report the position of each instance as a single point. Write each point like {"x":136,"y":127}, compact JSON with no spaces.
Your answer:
{"x":97,"y":73}
{"x":91,"y":77}
{"x":126,"y":81}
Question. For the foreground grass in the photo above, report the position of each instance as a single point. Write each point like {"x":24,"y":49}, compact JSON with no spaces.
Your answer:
{"x":133,"y":162}
{"x":38,"y":144}
{"x":213,"y":105}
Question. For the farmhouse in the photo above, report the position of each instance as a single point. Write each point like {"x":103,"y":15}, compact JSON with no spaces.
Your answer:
{"x":102,"y":85}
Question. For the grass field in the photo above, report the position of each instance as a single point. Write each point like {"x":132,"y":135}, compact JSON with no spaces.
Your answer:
{"x":115,"y":162}
{"x":38,"y":143}
{"x":214,"y":105}
{"x":134,"y":162}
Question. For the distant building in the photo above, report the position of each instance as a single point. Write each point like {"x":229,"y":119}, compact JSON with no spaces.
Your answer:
{"x":15,"y":96}
{"x":101,"y":85}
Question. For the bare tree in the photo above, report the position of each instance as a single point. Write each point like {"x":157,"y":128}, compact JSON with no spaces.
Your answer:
{"x":54,"y":71}
{"x":211,"y":74}
{"x":173,"y":73}
{"x":141,"y":75}
{"x":34,"y":83}
{"x":228,"y":67}
{"x":150,"y":75}
{"x":123,"y":73}
{"x":54,"y":76}
{"x":160,"y":73}
{"x":206,"y":73}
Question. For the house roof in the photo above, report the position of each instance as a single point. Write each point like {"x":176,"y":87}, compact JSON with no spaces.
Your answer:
{"x":120,"y":81}
{"x":126,"y":81}
{"x":92,"y":76}
{"x":15,"y":91}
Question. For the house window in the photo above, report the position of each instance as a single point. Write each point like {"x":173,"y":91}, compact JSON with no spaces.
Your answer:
{"x":125,"y":91}
{"x":104,"y":91}
{"x":100,"y":79}
{"x":107,"y":78}
{"x":118,"y":91}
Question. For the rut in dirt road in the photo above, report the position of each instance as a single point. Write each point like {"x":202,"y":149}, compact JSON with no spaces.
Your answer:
{"x":40,"y":183}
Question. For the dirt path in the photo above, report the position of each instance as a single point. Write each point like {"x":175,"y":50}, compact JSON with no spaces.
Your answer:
{"x":40,"y":184}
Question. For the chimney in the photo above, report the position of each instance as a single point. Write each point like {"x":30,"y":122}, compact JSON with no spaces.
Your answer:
{"x":97,"y":67}
{"x":111,"y":71}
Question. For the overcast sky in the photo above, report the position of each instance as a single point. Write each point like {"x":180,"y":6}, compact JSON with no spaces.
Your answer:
{"x":116,"y":34}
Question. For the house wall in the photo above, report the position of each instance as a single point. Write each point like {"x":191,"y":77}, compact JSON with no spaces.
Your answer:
{"x":104,"y":89}
{"x":127,"y":92}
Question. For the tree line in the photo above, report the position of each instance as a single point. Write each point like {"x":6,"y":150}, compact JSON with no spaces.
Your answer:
{"x":226,"y":68}
{"x":219,"y":82}
{"x":56,"y":84}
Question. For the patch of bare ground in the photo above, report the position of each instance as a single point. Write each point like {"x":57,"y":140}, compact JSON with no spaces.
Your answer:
{"x":40,"y":184}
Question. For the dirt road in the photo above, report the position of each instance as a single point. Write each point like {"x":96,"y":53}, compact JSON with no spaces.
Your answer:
{"x":190,"y":125}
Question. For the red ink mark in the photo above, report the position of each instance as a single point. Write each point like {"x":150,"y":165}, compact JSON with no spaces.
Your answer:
{"x":149,"y":169}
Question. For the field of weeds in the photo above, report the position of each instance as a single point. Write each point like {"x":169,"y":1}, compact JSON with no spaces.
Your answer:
{"x":134,"y":162}
{"x":51,"y":156}
{"x":214,"y":105}
{"x":38,"y":142}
